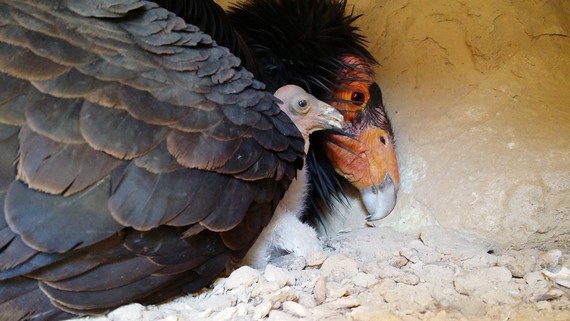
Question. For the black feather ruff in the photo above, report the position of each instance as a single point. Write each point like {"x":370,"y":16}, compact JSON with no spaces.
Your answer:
{"x":302,"y":42}
{"x":299,"y":42}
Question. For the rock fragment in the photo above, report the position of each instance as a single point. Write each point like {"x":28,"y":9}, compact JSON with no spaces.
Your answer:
{"x":344,"y":303}
{"x":242,"y":277}
{"x":492,"y":285}
{"x":364,"y":280}
{"x":335,"y":290}
{"x":320,"y":290}
{"x":539,"y":288}
{"x":315,"y":259}
{"x":294,"y":308}
{"x":338,"y":267}
{"x":520,"y":262}
{"x":131,"y":312}
{"x":279,"y":275}
{"x":262,"y":310}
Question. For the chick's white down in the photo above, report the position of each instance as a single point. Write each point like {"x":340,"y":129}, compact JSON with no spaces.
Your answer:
{"x":285,"y":232}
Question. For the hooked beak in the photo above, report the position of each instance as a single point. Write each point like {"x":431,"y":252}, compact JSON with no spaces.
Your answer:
{"x":380,"y":199}
{"x":329,"y":117}
{"x":369,"y":164}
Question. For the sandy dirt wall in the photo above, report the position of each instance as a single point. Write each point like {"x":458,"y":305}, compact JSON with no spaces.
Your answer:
{"x":479,"y":96}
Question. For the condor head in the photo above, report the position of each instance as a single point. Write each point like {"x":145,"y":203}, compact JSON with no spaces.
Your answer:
{"x":367,"y":159}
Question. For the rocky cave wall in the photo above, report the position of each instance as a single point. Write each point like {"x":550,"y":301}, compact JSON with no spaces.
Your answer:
{"x":479,"y":96}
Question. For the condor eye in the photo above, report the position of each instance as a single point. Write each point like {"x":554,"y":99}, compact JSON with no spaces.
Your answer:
{"x":301,"y":105}
{"x":357,"y":98}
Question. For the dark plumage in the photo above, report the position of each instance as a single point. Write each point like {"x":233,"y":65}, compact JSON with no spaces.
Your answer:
{"x":139,"y":159}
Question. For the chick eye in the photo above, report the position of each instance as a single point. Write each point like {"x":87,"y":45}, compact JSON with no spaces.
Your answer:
{"x":302,"y":103}
{"x":357,"y":98}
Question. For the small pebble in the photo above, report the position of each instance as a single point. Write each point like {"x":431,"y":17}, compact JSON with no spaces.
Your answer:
{"x":338,"y":267}
{"x":335,"y":290}
{"x":298,"y":264}
{"x":262,"y":310}
{"x":226,"y":314}
{"x":471,"y":281}
{"x":517,"y":263}
{"x":344,"y":303}
{"x":307,"y":300}
{"x":281,"y":276}
{"x":399,"y":275}
{"x":315,"y":259}
{"x":364,"y":280}
{"x":277,"y":315}
{"x":320,"y":290}
{"x":294,"y":308}
{"x":263,"y":288}
{"x":398,"y":261}
{"x":131,"y":312}
{"x":550,"y":259}
{"x":244,"y":276}
{"x":284,"y":294}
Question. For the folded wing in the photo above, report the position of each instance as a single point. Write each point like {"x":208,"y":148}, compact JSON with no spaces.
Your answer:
{"x":139,"y":160}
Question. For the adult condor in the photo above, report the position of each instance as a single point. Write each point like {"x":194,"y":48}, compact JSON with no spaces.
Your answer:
{"x":139,"y":158}
{"x":315,"y":45}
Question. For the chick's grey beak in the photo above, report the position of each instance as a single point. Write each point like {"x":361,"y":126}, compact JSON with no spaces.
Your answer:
{"x":380,"y":199}
{"x":330,"y":117}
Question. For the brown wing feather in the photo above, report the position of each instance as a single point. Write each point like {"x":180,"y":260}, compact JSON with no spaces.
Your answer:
{"x":57,"y":224}
{"x":59,"y":168}
{"x":158,"y":160}
{"x":144,"y":200}
{"x":117,"y":133}
{"x":12,"y":96}
{"x":8,"y":156}
{"x":55,"y":118}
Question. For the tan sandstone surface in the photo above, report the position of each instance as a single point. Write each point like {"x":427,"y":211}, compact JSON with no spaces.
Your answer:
{"x":479,"y":97}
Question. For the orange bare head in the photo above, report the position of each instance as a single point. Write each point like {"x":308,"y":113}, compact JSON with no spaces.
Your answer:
{"x":368,"y":159}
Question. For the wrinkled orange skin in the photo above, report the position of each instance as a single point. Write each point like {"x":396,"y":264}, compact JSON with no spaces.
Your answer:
{"x":366,"y":160}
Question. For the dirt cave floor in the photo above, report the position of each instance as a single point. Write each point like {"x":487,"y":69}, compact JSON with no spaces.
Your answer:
{"x":377,"y":273}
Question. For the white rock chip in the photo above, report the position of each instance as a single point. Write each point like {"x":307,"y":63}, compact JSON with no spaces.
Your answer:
{"x":338,"y":267}
{"x":295,"y":309}
{"x":320,"y":290}
{"x":242,"y":277}
{"x":315,"y":259}
{"x":131,"y":312}
{"x":278,"y":275}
